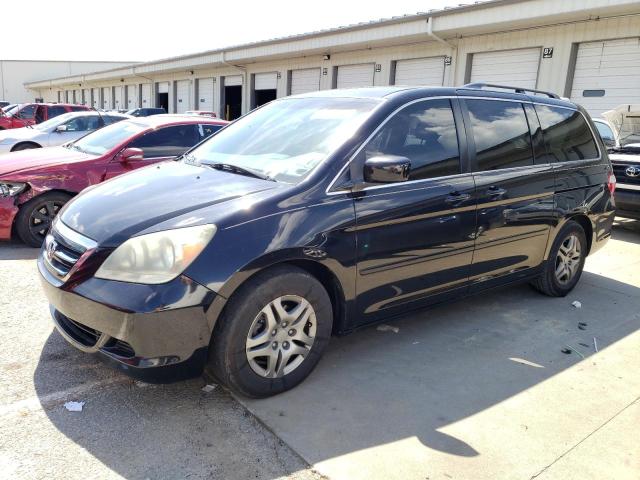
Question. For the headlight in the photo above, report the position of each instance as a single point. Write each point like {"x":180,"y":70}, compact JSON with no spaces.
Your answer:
{"x":156,"y":257}
{"x":11,"y":189}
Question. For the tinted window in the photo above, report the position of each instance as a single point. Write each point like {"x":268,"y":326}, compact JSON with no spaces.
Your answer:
{"x":425,"y":133}
{"x":604,"y":130}
{"x":55,"y":111}
{"x":27,"y":112}
{"x":77,"y":108}
{"x":566,"y":134}
{"x":168,"y":141}
{"x":108,"y":120}
{"x":83,"y":124}
{"x":208,"y":130}
{"x":501,"y":134}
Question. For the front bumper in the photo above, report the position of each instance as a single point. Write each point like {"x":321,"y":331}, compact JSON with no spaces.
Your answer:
{"x":157,"y":333}
{"x":628,"y":203}
{"x":8,"y":212}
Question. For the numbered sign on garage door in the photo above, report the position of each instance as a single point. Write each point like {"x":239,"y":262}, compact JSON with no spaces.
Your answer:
{"x":420,"y":71}
{"x":183,"y":96}
{"x":607,"y":74}
{"x":355,"y":76}
{"x":205,"y":94}
{"x":305,"y":80}
{"x":132,"y":96}
{"x":146,"y":96}
{"x":518,"y":68}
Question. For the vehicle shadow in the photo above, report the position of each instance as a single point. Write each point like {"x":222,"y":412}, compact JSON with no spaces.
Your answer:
{"x":370,"y":389}
{"x":626,"y":230}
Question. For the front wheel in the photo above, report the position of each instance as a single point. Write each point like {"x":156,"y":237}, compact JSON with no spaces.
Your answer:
{"x":272,"y":333}
{"x":563,"y":268}
{"x":35,"y":217}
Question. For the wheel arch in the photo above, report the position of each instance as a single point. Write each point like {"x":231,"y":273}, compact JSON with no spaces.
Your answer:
{"x":586,"y":225}
{"x":28,"y":142}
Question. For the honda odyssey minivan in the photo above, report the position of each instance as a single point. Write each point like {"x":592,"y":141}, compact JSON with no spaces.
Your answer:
{"x":323,"y":213}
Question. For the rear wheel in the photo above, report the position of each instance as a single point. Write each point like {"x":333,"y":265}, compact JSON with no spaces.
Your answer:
{"x":25,"y":146}
{"x":564,"y":266}
{"x":35,"y":217}
{"x":272,"y":333}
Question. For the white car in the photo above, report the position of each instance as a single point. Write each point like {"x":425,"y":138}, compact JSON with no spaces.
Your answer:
{"x":56,"y":131}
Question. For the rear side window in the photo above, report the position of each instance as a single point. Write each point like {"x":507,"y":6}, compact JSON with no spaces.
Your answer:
{"x":208,"y":130}
{"x":566,"y":134}
{"x":108,"y":120}
{"x":77,"y":108}
{"x":501,"y":134}
{"x":55,"y":111}
{"x":425,"y":133}
{"x":168,"y":141}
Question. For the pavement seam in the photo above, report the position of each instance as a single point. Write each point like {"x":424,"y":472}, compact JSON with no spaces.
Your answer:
{"x":584,"y":439}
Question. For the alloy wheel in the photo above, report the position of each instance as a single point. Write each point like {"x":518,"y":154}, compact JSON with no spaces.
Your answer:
{"x":568,"y":259}
{"x":281,"y":336}
{"x":42,"y":216}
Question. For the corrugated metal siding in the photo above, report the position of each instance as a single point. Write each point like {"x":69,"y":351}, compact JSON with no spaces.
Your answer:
{"x":612,"y":67}
{"x":205,"y":94}
{"x":305,"y":80}
{"x":354,"y":76}
{"x":517,"y":68}
{"x":420,"y":71}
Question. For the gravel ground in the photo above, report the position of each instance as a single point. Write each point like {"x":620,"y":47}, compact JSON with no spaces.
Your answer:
{"x":127,"y":429}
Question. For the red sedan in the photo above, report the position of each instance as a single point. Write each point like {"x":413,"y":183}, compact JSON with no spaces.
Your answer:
{"x":35,"y":184}
{"x":29,"y":113}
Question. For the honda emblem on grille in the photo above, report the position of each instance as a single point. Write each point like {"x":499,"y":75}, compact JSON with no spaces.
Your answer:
{"x":51,"y":248}
{"x":632,"y":171}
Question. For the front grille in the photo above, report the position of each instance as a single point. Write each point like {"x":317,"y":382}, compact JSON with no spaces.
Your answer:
{"x":119,"y":348}
{"x":82,"y":334}
{"x":620,"y":171}
{"x":63,"y":248}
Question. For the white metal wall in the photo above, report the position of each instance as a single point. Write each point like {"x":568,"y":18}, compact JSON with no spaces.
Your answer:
{"x":609,"y":68}
{"x":354,"y":76}
{"x":420,"y":71}
{"x":517,"y":68}
{"x":205,"y":94}
{"x":305,"y":80}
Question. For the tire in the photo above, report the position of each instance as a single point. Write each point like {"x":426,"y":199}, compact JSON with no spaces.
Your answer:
{"x":245,"y":331}
{"x":38,"y":212}
{"x":550,"y":282}
{"x":25,"y":146}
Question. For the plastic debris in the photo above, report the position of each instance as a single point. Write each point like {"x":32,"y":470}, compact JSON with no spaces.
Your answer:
{"x":74,"y":406}
{"x":577,"y":304}
{"x":387,"y":328}
{"x":595,"y":344}
{"x":210,"y":387}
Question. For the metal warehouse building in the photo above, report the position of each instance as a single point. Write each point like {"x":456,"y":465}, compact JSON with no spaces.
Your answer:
{"x":588,"y":50}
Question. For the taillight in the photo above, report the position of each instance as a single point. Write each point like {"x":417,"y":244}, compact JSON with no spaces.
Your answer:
{"x":611,"y":182}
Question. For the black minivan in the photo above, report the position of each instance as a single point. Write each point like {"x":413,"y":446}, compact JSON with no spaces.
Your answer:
{"x":321,"y":213}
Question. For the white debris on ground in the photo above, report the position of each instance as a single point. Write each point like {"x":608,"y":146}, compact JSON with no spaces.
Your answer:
{"x":209,"y":388}
{"x":577,"y":304}
{"x":387,"y":328}
{"x":142,"y":384}
{"x":74,"y":406}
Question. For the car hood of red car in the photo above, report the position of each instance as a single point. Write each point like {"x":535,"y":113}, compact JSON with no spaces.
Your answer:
{"x":28,"y":161}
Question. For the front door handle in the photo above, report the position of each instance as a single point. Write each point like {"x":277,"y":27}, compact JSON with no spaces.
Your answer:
{"x":496,"y":191}
{"x":456,"y":198}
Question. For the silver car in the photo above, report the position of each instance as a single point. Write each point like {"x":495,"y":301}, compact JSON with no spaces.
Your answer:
{"x":56,"y":131}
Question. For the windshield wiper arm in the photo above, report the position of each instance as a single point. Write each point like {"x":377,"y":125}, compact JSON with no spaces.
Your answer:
{"x":240,"y":170}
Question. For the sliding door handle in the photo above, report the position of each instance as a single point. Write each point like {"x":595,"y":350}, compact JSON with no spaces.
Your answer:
{"x":456,"y":198}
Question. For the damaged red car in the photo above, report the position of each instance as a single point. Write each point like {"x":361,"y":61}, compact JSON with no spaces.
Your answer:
{"x":35,"y":184}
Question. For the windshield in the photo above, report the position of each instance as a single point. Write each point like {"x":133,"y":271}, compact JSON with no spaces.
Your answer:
{"x":55,"y":121}
{"x":285,"y":140}
{"x":106,"y":138}
{"x":11,"y":110}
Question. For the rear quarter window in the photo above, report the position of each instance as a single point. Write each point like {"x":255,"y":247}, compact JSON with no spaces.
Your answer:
{"x":567,"y":136}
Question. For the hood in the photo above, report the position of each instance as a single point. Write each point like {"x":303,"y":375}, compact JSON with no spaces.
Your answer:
{"x":25,"y":161}
{"x":118,"y":209}
{"x":625,"y":122}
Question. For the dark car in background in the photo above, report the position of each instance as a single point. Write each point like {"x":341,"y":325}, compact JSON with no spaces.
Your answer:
{"x":145,"y":112}
{"x":324,"y":213}
{"x":31,"y":113}
{"x":35,"y":184}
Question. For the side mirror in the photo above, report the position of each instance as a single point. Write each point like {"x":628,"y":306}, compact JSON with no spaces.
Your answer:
{"x":131,"y":155}
{"x":61,"y":128}
{"x":387,"y":169}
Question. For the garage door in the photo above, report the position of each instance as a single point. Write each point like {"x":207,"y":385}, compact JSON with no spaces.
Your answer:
{"x":420,"y":71}
{"x":132,"y":96}
{"x":205,"y":94}
{"x":106,"y":97}
{"x":96,"y":98}
{"x":266,"y":81}
{"x":232,"y":80}
{"x":119,"y":97}
{"x":607,"y":74}
{"x":146,"y":95}
{"x":305,"y":80}
{"x":183,"y":96}
{"x":518,"y":68}
{"x":86,"y":100}
{"x":355,"y":76}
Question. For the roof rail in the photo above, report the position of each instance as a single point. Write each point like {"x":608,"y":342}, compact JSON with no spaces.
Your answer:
{"x":482,"y":85}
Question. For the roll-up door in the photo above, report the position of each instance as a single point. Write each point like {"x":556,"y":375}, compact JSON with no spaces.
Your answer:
{"x":232,"y":80}
{"x":183,"y":96}
{"x":266,"y":81}
{"x":518,"y":68}
{"x":163,"y":87}
{"x":420,"y":71}
{"x":607,"y":74}
{"x":87,"y":96}
{"x":355,"y":76}
{"x":119,"y":98}
{"x":305,"y":80}
{"x":77,"y":96}
{"x":96,"y":98}
{"x":146,"y":95}
{"x":106,"y":97}
{"x":205,"y":94}
{"x":132,"y":96}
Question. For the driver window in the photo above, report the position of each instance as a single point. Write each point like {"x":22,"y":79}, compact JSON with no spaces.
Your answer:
{"x":168,"y":141}
{"x":80,"y":124}
{"x":425,"y":133}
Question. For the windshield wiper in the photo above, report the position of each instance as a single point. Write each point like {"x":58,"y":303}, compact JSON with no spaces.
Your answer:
{"x":240,"y":170}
